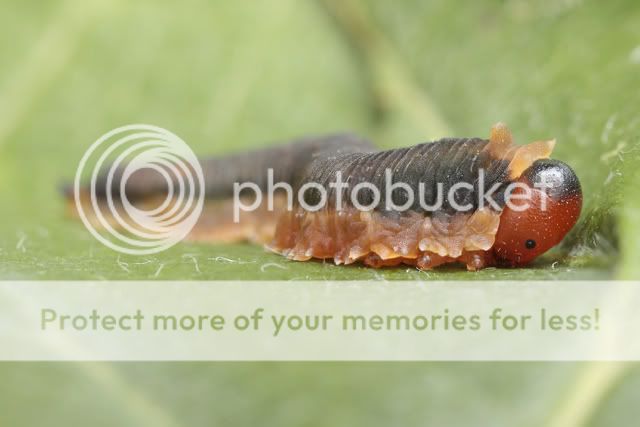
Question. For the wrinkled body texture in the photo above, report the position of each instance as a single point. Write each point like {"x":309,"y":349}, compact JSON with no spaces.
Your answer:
{"x":341,"y":230}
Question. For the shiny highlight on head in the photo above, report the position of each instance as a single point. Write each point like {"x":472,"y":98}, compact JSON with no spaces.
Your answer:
{"x":551,"y":213}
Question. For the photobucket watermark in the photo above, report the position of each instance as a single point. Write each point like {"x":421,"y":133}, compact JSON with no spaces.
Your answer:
{"x":515,"y":195}
{"x":112,"y":162}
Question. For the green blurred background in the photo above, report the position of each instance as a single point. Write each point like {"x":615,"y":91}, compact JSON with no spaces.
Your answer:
{"x":238,"y":75}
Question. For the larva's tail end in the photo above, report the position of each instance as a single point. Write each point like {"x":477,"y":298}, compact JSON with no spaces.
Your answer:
{"x":215,"y":224}
{"x":66,"y":190}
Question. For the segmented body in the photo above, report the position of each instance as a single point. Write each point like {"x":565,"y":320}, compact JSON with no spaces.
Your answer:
{"x":417,"y":236}
{"x":378,"y":236}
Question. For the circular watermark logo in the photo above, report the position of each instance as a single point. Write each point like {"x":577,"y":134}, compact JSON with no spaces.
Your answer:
{"x":112,"y":161}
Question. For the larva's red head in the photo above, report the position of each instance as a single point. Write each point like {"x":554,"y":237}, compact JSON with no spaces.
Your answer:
{"x":551,"y":213}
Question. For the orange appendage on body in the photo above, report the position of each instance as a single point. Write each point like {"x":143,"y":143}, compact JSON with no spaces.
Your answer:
{"x":380,"y":239}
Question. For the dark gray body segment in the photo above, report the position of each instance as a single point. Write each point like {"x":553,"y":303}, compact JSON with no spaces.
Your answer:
{"x":288,"y":161}
{"x":446,"y":161}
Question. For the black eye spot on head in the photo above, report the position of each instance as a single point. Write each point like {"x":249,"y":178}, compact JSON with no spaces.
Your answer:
{"x":530,"y":244}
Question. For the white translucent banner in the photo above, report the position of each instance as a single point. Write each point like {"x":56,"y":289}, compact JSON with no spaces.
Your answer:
{"x":319,"y":320}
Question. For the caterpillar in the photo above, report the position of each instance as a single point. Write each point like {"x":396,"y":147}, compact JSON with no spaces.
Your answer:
{"x":430,"y":230}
